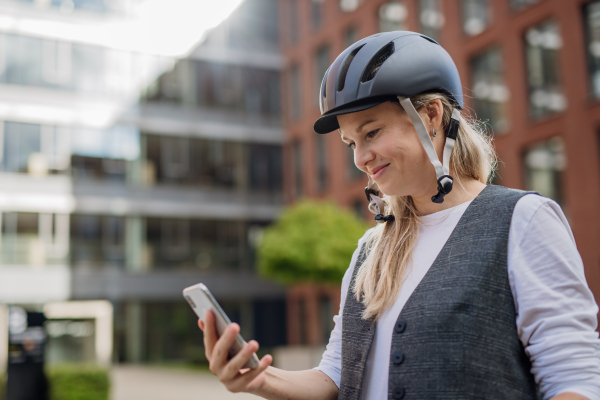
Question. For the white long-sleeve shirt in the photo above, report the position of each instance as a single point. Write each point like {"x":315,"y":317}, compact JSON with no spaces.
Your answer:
{"x":556,"y":312}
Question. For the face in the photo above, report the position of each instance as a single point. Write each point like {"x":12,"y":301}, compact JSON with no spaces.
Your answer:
{"x":387,"y":148}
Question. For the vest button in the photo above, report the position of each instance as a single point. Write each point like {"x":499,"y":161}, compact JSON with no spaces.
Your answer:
{"x":398,"y":393}
{"x":400,"y":326}
{"x":398,"y":357}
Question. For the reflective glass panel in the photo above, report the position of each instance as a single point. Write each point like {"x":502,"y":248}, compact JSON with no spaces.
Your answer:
{"x":544,"y":167}
{"x":490,"y":92}
{"x":392,"y":16}
{"x":543,"y":43}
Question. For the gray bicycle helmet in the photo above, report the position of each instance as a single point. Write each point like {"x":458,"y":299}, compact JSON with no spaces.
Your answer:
{"x":393,"y":66}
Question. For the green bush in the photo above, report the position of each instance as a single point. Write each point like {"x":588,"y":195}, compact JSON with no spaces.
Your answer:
{"x":311,"y":242}
{"x":2,"y":386}
{"x":79,"y":383}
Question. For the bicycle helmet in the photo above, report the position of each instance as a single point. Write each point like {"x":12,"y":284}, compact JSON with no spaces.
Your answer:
{"x":393,"y":66}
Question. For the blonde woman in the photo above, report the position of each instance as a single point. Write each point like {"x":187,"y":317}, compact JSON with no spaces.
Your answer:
{"x":463,"y":290}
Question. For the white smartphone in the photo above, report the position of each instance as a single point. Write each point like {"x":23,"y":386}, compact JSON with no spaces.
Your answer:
{"x":201,"y":300}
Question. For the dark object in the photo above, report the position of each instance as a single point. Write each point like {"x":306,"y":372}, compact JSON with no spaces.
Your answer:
{"x":400,"y":326}
{"x":398,"y":357}
{"x":384,"y":218}
{"x":381,"y":67}
{"x":26,"y":377}
{"x":380,"y":218}
{"x":461,"y":318}
{"x":398,"y":393}
{"x":444,"y":187}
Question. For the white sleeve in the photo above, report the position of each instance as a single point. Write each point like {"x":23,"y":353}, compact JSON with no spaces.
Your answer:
{"x":331,"y":362}
{"x":556,"y":312}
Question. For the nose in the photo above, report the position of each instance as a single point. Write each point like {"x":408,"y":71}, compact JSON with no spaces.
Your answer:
{"x":362,"y":156}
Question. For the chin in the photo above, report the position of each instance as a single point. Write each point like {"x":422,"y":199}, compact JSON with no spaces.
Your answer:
{"x":395,"y":190}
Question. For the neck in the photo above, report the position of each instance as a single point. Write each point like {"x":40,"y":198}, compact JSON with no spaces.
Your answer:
{"x":462,"y":191}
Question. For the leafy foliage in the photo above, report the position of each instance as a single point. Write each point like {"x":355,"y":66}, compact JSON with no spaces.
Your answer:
{"x":311,"y":242}
{"x":79,"y":383}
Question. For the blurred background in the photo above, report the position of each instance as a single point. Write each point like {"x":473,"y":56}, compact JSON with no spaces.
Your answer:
{"x":145,"y":145}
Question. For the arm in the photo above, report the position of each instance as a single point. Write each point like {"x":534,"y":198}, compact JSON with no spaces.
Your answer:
{"x":556,"y":311}
{"x":265,"y":381}
{"x":297,"y":385}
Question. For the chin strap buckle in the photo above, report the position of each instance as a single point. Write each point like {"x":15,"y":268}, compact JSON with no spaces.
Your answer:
{"x":380,"y":218}
{"x":445,"y":183}
{"x":376,"y":205}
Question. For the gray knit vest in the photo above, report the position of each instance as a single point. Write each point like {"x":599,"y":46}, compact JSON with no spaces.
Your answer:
{"x":456,"y":337}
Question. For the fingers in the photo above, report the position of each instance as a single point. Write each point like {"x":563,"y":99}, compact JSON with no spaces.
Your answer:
{"x":237,"y":362}
{"x":221,"y":348}
{"x":244,"y":382}
{"x":201,"y":325}
{"x":210,"y":334}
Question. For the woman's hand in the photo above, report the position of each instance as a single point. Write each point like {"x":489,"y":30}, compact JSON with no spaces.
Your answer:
{"x":230,"y":372}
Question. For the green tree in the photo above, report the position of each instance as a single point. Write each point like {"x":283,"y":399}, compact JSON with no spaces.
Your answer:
{"x":311,"y":242}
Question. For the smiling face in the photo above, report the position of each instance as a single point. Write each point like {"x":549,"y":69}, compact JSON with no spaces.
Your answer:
{"x":386,"y":147}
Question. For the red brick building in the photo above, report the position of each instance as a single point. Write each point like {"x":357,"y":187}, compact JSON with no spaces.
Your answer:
{"x":530,"y":69}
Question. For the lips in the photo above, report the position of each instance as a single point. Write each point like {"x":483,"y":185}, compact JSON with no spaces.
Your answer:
{"x":377,"y":172}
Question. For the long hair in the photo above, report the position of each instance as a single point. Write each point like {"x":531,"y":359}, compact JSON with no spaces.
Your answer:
{"x":389,"y":245}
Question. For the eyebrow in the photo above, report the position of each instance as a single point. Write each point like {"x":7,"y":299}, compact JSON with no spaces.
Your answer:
{"x":360,"y":127}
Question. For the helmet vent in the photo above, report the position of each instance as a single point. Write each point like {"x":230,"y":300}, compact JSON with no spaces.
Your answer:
{"x":324,"y":85}
{"x":377,"y":61}
{"x":344,"y":71}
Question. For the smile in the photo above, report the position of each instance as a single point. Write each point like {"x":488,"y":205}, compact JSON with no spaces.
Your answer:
{"x":379,"y":171}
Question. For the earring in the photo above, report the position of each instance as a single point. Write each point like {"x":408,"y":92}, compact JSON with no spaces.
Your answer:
{"x":433,"y":133}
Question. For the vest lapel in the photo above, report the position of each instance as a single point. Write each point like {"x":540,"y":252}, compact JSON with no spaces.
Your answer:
{"x":357,"y":338}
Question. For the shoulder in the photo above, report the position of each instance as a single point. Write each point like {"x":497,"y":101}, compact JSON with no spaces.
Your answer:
{"x":539,"y":220}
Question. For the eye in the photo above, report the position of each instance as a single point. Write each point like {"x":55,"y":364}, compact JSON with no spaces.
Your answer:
{"x":372,"y":134}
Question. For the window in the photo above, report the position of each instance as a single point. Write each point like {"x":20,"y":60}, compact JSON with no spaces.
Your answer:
{"x":231,"y":89}
{"x":592,"y":25}
{"x":543,"y":43}
{"x":431,"y":18}
{"x":477,"y":16}
{"x":293,"y":32}
{"x":392,"y":16}
{"x":321,"y":142}
{"x":56,"y":67}
{"x":97,"y":240}
{"x":351,"y":36}
{"x":518,"y":4}
{"x":350,"y":5}
{"x":544,"y":165}
{"x":298,"y":168}
{"x":20,"y":142}
{"x":295,"y":93}
{"x":321,"y":65}
{"x":113,"y":239}
{"x":20,"y":242}
{"x":265,"y":168}
{"x":67,"y":6}
{"x":490,"y":93}
{"x":316,"y":10}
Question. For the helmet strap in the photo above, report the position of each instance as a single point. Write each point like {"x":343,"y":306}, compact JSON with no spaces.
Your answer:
{"x":376,"y":204}
{"x":442,"y":171}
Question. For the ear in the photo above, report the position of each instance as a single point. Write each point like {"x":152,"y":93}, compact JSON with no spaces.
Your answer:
{"x":435,"y":114}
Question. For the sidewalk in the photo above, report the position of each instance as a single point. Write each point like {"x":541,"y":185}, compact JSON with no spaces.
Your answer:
{"x":152,"y":383}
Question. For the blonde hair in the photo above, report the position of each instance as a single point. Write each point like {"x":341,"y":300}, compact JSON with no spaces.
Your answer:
{"x":389,"y":245}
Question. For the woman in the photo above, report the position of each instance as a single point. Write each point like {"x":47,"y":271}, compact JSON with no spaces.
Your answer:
{"x":462,"y":290}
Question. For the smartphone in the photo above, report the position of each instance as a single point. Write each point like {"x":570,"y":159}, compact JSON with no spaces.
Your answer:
{"x":201,"y":300}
